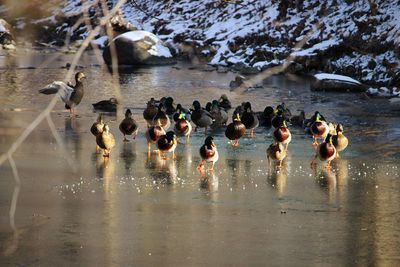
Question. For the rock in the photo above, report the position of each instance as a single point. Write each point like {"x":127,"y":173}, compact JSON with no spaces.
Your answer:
{"x":139,"y":48}
{"x":244,"y":69}
{"x":9,"y":47}
{"x":6,"y":37}
{"x":338,"y":83}
{"x":237,"y":82}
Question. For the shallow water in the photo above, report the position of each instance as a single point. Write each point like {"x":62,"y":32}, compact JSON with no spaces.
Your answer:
{"x":133,"y":211}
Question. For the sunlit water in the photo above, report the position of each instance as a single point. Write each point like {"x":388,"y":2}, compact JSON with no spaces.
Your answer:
{"x":131,"y":211}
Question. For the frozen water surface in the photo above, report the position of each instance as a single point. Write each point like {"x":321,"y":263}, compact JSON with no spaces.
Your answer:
{"x":130,"y":211}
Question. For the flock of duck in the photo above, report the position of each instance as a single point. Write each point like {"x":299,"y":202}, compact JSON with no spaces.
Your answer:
{"x":160,"y":114}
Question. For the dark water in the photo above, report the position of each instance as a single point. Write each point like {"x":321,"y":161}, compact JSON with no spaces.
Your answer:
{"x":130,"y":211}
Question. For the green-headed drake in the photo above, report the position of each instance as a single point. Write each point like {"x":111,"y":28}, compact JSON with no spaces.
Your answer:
{"x":249,"y":119}
{"x":235,"y":130}
{"x":167,"y":143}
{"x":325,"y":151}
{"x":282,"y":135}
{"x":153,"y":133}
{"x":208,"y":153}
{"x":319,"y":128}
{"x":183,"y":126}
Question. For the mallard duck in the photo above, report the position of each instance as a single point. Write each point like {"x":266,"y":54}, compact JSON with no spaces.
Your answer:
{"x":219,"y":114}
{"x":200,"y":117}
{"x":286,"y":111}
{"x":325,"y":151}
{"x":319,"y":128}
{"x":169,"y":106}
{"x":183,"y":126}
{"x":153,"y":133}
{"x":238,"y":110}
{"x":179,"y":110}
{"x":237,"y":82}
{"x":339,"y":140}
{"x":97,"y":129}
{"x":208,"y":153}
{"x":70,"y":94}
{"x":162,"y":116}
{"x":106,"y":105}
{"x":283,"y":135}
{"x":167,"y":143}
{"x":224,"y":102}
{"x":106,"y":141}
{"x":266,"y":116}
{"x":235,"y":130}
{"x":150,"y":111}
{"x":298,"y":120}
{"x":277,"y":152}
{"x":128,"y":126}
{"x":208,"y":106}
{"x":278,"y":118}
{"x":249,"y":119}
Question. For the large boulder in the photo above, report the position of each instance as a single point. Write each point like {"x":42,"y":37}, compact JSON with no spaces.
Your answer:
{"x":337,"y":83}
{"x":6,"y":37}
{"x":139,"y":48}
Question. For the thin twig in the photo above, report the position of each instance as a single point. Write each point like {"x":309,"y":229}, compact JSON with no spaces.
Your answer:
{"x":29,"y":129}
{"x":277,"y":69}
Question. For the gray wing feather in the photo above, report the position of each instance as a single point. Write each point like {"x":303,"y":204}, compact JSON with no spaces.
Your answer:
{"x":63,"y":90}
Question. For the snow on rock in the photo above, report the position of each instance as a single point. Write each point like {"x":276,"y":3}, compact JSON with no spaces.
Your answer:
{"x":334,"y":82}
{"x":156,"y":49}
{"x":349,"y":39}
{"x":139,"y":47}
{"x":329,"y":76}
{"x":101,"y":41}
{"x":383,"y":92}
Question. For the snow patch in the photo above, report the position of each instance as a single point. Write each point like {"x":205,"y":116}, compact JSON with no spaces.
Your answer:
{"x":328,"y":76}
{"x":157,"y":48}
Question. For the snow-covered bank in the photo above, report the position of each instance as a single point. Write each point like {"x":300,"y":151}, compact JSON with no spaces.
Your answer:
{"x":347,"y":37}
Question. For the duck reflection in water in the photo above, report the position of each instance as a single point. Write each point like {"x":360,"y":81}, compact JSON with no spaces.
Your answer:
{"x":277,"y":180}
{"x":326,"y":180}
{"x":209,"y":182}
{"x":72,"y":136}
{"x":162,"y":171}
{"x":128,"y":156}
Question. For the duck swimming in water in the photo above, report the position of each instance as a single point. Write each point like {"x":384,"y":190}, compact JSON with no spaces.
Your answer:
{"x":71,"y":95}
{"x":128,"y":126}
